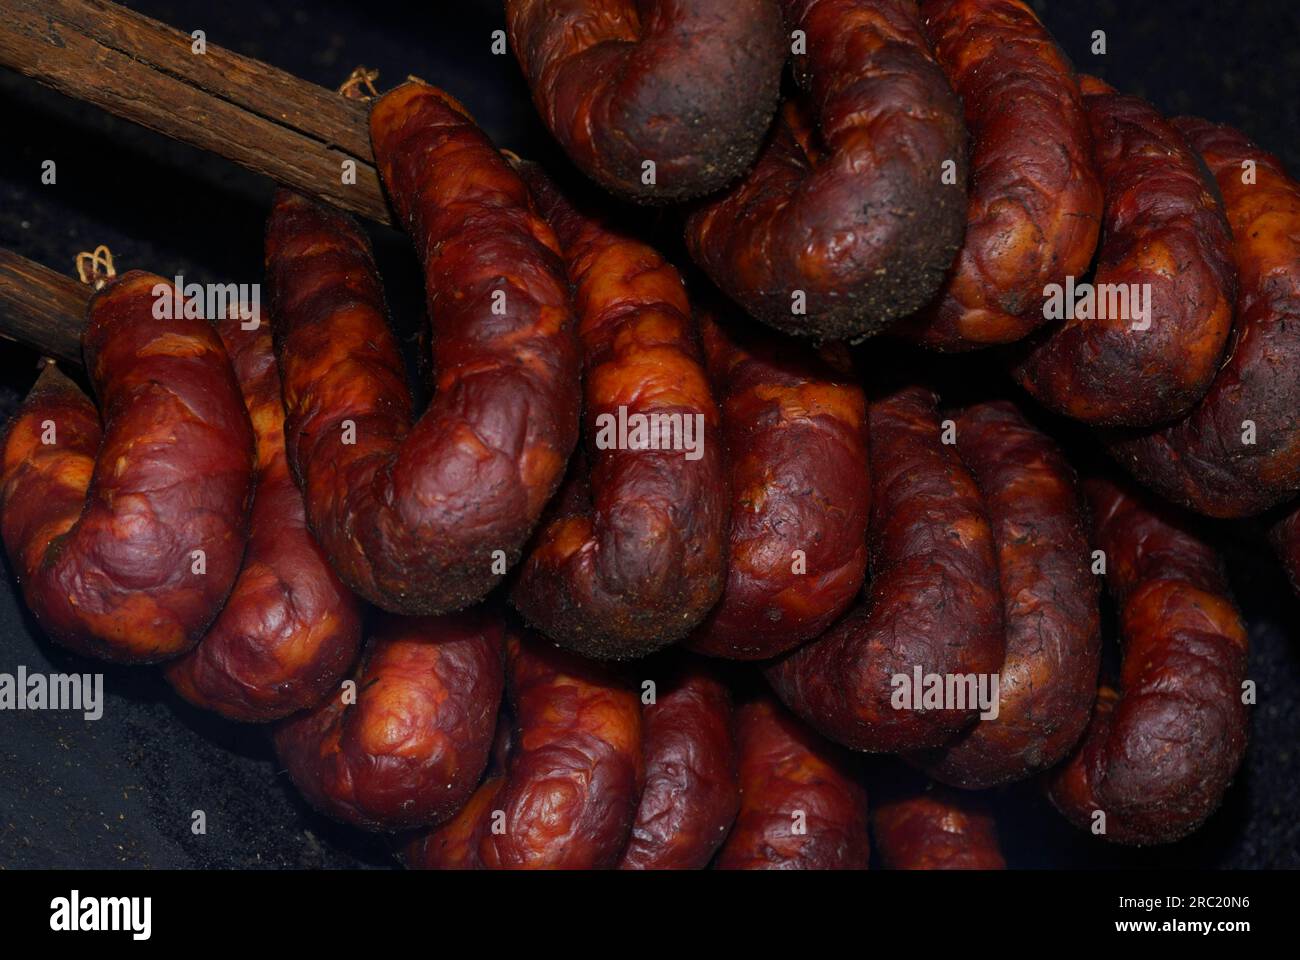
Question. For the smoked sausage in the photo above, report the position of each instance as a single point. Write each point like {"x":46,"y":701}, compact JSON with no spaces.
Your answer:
{"x":127,"y":537}
{"x":1161,"y":750}
{"x":687,"y":85}
{"x":840,"y":230}
{"x":1285,"y":535}
{"x":936,"y":829}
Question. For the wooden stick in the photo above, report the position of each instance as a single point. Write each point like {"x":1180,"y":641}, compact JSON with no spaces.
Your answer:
{"x":42,"y":309}
{"x":239,"y":108}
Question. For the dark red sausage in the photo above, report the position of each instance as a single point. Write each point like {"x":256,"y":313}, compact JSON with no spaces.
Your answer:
{"x":1035,"y":201}
{"x":938,"y":829}
{"x":692,"y":792}
{"x":634,"y":554}
{"x":689,"y":85}
{"x":568,"y":795}
{"x":290,"y":630}
{"x":802,"y":803}
{"x":1204,"y":461}
{"x":933,"y":600}
{"x":857,"y":219}
{"x":424,"y":517}
{"x":796,"y":431}
{"x":1163,"y":230}
{"x":127,"y":540}
{"x":1159,"y":754}
{"x":406,"y":746}
{"x":1050,"y":604}
{"x":1285,"y":535}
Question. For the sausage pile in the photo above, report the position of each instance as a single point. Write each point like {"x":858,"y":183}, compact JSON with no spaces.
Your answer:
{"x":669,"y":547}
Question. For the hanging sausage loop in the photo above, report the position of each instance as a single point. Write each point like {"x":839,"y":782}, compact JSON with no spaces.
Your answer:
{"x":96,"y":267}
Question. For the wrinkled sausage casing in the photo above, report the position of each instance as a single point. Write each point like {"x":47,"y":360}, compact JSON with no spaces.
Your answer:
{"x":422,"y":518}
{"x":1161,"y":751}
{"x":692,"y":791}
{"x":1164,"y":231}
{"x":937,"y":829}
{"x":932,"y":603}
{"x":127,"y":538}
{"x":1035,"y":201}
{"x":796,"y":432}
{"x":1050,"y":604}
{"x":633,"y":554}
{"x":689,"y":85}
{"x":568,"y":794}
{"x":1285,"y":535}
{"x":290,"y":630}
{"x":1238,"y":452}
{"x":802,"y":803}
{"x":406,"y":745}
{"x":837,"y":232}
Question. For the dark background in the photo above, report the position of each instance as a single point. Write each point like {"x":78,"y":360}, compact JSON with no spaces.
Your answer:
{"x":120,"y":791}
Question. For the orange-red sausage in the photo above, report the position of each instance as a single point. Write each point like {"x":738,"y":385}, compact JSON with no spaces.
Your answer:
{"x":127,"y":538}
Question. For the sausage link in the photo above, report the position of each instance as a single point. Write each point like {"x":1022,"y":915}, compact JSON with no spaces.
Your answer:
{"x":128,"y":539}
{"x":937,"y":829}
{"x":692,"y":792}
{"x":1238,"y":452}
{"x":416,"y":518}
{"x":802,"y":803}
{"x":1050,"y":604}
{"x":1035,"y":201}
{"x":689,"y":85}
{"x":633,"y":557}
{"x":568,"y":795}
{"x":865,"y":232}
{"x":290,"y":630}
{"x":406,"y":745}
{"x":932,"y":604}
{"x":1159,"y":754}
{"x":1285,"y":535}
{"x":1163,"y":229}
{"x":796,"y":432}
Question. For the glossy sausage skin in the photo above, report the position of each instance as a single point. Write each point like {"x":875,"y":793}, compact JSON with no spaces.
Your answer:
{"x":1050,"y":604}
{"x":102,"y":525}
{"x":860,"y":221}
{"x":937,"y":829}
{"x":802,"y":803}
{"x":405,"y":747}
{"x":634,"y":554}
{"x":1163,"y":226}
{"x":1202,"y":461}
{"x":1035,"y":201}
{"x":932,"y":602}
{"x":796,"y":432}
{"x":688,"y":84}
{"x":568,"y":795}
{"x":692,"y":791}
{"x":290,"y":630}
{"x":1159,"y":754}
{"x":1285,"y":535}
{"x":416,"y":517}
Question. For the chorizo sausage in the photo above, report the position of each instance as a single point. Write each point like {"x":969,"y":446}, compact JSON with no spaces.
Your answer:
{"x":1035,"y":201}
{"x":1238,"y":452}
{"x":290,"y":630}
{"x":1050,"y":604}
{"x":127,"y":538}
{"x":405,"y":744}
{"x":1285,"y":535}
{"x":1159,"y":753}
{"x":423,"y":518}
{"x":568,"y":795}
{"x":937,"y":829}
{"x":689,"y":85}
{"x":633,"y":556}
{"x":1163,"y":288}
{"x":802,"y":802}
{"x":692,"y":793}
{"x":796,"y":432}
{"x":932,"y":605}
{"x":836,"y":235}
